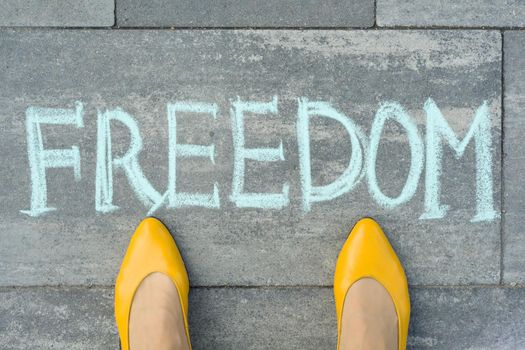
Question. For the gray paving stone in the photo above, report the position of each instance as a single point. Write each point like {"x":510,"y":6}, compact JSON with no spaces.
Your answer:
{"x":466,"y":13}
{"x":245,"y":13}
{"x":514,"y":165}
{"x":467,"y":318}
{"x":141,"y":71}
{"x":51,"y":318}
{"x":262,"y":318}
{"x":57,"y":13}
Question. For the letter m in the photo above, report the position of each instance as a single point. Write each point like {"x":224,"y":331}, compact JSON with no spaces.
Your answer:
{"x":439,"y":131}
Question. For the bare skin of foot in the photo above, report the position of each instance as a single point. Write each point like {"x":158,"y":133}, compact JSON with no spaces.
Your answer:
{"x":156,"y":321}
{"x":369,"y":320}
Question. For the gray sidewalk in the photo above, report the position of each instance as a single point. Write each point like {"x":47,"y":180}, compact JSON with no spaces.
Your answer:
{"x":318,"y":113}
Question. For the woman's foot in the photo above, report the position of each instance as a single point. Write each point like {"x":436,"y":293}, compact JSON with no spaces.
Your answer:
{"x":156,"y":320}
{"x":371,"y":292}
{"x":151,"y":292}
{"x":369,"y":320}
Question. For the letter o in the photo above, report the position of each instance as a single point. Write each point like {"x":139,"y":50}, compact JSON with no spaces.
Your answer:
{"x":394,"y":111}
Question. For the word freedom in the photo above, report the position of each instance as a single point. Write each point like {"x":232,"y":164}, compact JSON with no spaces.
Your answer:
{"x":362,"y":163}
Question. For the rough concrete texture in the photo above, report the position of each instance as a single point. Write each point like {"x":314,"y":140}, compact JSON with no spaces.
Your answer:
{"x":51,"y":318}
{"x":465,"y":13}
{"x":141,"y":71}
{"x":514,"y":166}
{"x":262,"y":318}
{"x":57,"y":13}
{"x":245,"y":13}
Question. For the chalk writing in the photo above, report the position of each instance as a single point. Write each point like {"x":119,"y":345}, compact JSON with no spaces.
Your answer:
{"x":362,"y":162}
{"x":394,"y":111}
{"x":439,"y":130}
{"x":240,"y":154}
{"x":352,"y":174}
{"x":182,"y":199}
{"x":128,"y":162}
{"x":41,"y":159}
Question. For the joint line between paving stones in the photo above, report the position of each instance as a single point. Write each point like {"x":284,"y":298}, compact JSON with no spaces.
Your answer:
{"x":114,"y":14}
{"x":502,"y":170}
{"x":87,"y":287}
{"x":445,"y":27}
{"x":349,"y":28}
{"x":375,"y":14}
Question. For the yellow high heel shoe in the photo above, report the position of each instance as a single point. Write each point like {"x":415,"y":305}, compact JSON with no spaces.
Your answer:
{"x":152,"y":249}
{"x":368,"y":254}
